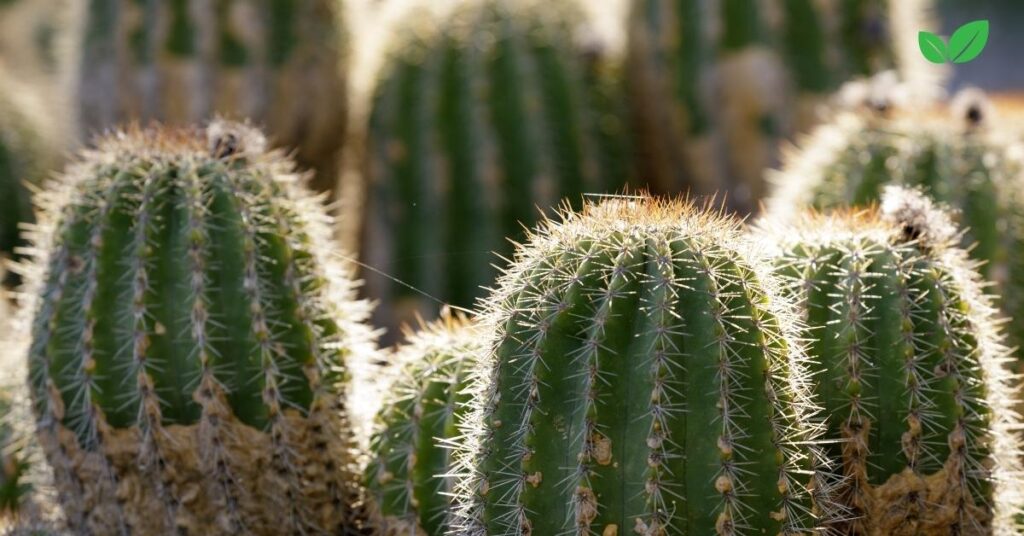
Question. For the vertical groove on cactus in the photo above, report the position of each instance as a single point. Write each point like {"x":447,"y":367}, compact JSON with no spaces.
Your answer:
{"x":911,"y":370}
{"x":965,"y":157}
{"x":484,"y":118}
{"x":645,"y":376}
{"x":411,"y":471}
{"x":191,"y":341}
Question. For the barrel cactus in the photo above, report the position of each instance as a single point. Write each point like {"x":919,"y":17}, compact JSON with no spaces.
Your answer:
{"x":646,"y":377}
{"x":191,"y":340}
{"x":716,"y":85}
{"x":962,"y":156}
{"x":278,"y":63}
{"x":410,"y":474}
{"x":478,"y":122}
{"x":910,"y":367}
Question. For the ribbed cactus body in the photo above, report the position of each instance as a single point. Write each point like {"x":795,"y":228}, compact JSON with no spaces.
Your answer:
{"x":716,"y":85}
{"x":278,"y":63}
{"x":190,"y":341}
{"x":480,"y":122}
{"x":410,"y":474}
{"x":963,"y":158}
{"x":910,"y":370}
{"x":645,"y":377}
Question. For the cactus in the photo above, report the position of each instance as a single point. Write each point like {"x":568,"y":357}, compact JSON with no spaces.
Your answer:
{"x":716,"y":86}
{"x":962,"y":157}
{"x":646,"y":377}
{"x":410,"y":474}
{"x":26,"y":155}
{"x":276,"y":62}
{"x":476,"y":122}
{"x":910,"y":369}
{"x":191,"y":340}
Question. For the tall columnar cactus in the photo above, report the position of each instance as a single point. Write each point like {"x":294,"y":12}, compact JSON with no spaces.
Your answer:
{"x":478,"y":123}
{"x":26,"y":154}
{"x":715,"y":86}
{"x":410,"y":474}
{"x":963,"y":157}
{"x":191,"y":341}
{"x":645,"y":377}
{"x":277,"y":62}
{"x":910,"y":368}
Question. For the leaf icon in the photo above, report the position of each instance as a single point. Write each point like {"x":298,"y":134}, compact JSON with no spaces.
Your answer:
{"x":932,"y":46}
{"x":968,"y":41}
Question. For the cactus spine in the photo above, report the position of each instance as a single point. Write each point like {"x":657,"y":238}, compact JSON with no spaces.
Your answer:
{"x":410,"y":474}
{"x":645,"y":377}
{"x":190,"y":340}
{"x":276,"y":62}
{"x":476,"y":122}
{"x":963,"y":158}
{"x":716,"y":85}
{"x":910,"y":370}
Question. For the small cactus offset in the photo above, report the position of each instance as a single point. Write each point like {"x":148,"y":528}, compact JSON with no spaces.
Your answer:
{"x":910,"y":368}
{"x":477,"y":121}
{"x":716,"y":85}
{"x":963,"y":157}
{"x":279,"y":63}
{"x":191,"y":340}
{"x":645,"y":377}
{"x":409,"y":477}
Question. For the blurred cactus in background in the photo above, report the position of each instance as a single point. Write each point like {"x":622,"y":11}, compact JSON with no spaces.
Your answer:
{"x":27,"y":153}
{"x":410,"y":472}
{"x":911,"y":368}
{"x":965,"y":156}
{"x":646,"y":377}
{"x":715,"y":86}
{"x":277,"y":62}
{"x":192,"y":339}
{"x":478,"y":124}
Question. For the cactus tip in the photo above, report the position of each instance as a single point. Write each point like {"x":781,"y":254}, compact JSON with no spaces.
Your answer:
{"x":917,"y":217}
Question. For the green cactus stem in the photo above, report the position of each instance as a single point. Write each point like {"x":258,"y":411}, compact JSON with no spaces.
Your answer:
{"x":962,"y":156}
{"x":277,"y":62}
{"x":645,"y":377}
{"x":191,"y":340}
{"x":480,"y":122}
{"x":911,"y":368}
{"x":410,"y":475}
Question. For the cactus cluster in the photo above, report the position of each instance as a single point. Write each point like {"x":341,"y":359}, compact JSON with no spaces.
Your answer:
{"x":961,"y":156}
{"x":645,"y":376}
{"x":478,"y":122}
{"x":179,"y":62}
{"x":409,"y":477}
{"x":190,"y":339}
{"x":909,"y":367}
{"x":716,"y":85}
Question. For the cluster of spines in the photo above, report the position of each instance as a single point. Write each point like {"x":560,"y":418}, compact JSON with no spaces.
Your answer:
{"x":409,"y":477}
{"x":293,"y":310}
{"x":636,"y":292}
{"x":912,"y":369}
{"x":482,"y":118}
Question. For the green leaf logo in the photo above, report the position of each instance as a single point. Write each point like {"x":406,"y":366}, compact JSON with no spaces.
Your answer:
{"x":965,"y":44}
